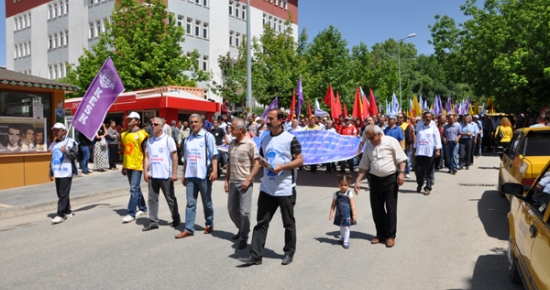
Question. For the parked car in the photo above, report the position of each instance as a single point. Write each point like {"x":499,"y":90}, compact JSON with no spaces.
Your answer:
{"x":529,"y":241}
{"x":525,"y":157}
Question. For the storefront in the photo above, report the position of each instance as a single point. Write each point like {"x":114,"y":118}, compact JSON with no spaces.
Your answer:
{"x":173,"y":103}
{"x":29,"y":106}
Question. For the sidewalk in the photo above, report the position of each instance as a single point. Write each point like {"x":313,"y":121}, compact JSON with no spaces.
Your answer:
{"x":36,"y":198}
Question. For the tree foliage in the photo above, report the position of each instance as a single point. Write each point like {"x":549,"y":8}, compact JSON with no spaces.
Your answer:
{"x":503,"y":51}
{"x":144,"y":45}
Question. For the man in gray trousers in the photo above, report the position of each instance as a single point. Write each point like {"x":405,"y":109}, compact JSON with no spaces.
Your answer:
{"x":242,"y":166}
{"x":160,"y":169}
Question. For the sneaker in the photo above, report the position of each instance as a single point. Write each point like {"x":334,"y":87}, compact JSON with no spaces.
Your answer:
{"x":346,"y":245}
{"x":341,"y":241}
{"x":140,"y":213}
{"x":407,"y":176}
{"x":68,"y":216}
{"x":128,"y":219}
{"x":57,"y":220}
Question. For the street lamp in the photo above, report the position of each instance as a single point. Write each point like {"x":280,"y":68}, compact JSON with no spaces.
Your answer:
{"x":399,"y":65}
{"x":248,"y":61}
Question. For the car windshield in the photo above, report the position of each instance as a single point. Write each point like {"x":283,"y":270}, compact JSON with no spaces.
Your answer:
{"x":536,"y":144}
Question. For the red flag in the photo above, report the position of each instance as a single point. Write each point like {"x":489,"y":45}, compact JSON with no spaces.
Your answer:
{"x":309,"y":110}
{"x":357,"y":106}
{"x":345,"y":110}
{"x":292,"y":105}
{"x":366,"y":106}
{"x":373,"y":108}
{"x":337,"y":111}
{"x":329,"y":97}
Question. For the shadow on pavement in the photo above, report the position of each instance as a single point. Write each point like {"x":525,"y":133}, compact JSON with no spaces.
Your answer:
{"x":352,"y":235}
{"x":491,"y":272}
{"x":488,"y":168}
{"x":88,"y":207}
{"x":492,"y":210}
{"x":223,"y":235}
{"x":121,"y":211}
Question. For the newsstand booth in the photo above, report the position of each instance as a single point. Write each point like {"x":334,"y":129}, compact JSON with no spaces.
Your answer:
{"x":173,"y":103}
{"x":29,"y":106}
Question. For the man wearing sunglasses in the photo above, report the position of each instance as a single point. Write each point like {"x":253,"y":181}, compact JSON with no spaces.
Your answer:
{"x":134,"y":140}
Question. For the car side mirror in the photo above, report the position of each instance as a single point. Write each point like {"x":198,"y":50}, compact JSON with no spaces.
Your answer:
{"x":514,"y":189}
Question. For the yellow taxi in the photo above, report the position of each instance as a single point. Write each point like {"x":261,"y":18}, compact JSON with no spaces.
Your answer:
{"x":525,"y":157}
{"x":529,"y":241}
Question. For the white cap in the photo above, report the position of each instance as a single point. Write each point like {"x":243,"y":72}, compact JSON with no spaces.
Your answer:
{"x":58,"y":126}
{"x":133,"y":115}
{"x":257,"y":119}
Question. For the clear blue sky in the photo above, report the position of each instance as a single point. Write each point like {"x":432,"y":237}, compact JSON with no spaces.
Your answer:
{"x":367,"y":21}
{"x":372,"y":21}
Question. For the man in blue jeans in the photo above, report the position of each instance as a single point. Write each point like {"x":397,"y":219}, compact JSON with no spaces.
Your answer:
{"x":85,"y":144}
{"x":200,"y":169}
{"x":451,"y":135}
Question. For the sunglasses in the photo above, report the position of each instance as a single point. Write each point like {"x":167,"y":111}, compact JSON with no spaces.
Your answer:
{"x":155,"y":124}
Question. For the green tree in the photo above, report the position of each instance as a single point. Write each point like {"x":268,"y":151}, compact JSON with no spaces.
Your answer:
{"x":144,"y":45}
{"x":503,"y":51}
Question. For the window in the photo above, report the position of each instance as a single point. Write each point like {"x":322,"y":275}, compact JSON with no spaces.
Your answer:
{"x":244,"y":13}
{"x":237,"y":39}
{"x":61,"y":70}
{"x":66,"y":68}
{"x":54,"y":10}
{"x":90,"y":2}
{"x":237,"y":6}
{"x":15,"y":51}
{"x":197,"y":28}
{"x":91,"y":32}
{"x":29,"y":48}
{"x":205,"y":63}
{"x":50,"y":46}
{"x":50,"y":72}
{"x":230,"y":7}
{"x":15,"y":23}
{"x":98,"y":27}
{"x":25,"y":49}
{"x":61,"y":8}
{"x":180,"y":20}
{"x":50,"y":13}
{"x":189,"y":24}
{"x":286,"y":4}
{"x":276,"y":2}
{"x":280,"y":24}
{"x":205,"y":3}
{"x":61,"y":39}
{"x":24,"y":21}
{"x":67,"y":7}
{"x":66,"y":37}
{"x":231,"y":38}
{"x":29,"y":20}
{"x":205,"y":31}
{"x":198,"y":2}
{"x":55,"y":72}
{"x":54,"y":40}
{"x":21,"y":24}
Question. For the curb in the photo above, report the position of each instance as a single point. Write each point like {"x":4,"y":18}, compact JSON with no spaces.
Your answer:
{"x":27,"y":209}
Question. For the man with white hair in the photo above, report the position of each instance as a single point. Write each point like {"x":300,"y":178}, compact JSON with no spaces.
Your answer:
{"x":385,"y":160}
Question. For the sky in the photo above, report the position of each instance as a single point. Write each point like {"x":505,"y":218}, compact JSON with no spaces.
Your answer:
{"x":375,"y":21}
{"x":368,"y":21}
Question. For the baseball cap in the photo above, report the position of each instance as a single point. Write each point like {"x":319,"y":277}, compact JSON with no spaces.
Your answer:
{"x":133,"y":115}
{"x":59,"y":126}
{"x":257,"y":119}
{"x":476,"y":116}
{"x":392,"y":117}
{"x":347,"y":118}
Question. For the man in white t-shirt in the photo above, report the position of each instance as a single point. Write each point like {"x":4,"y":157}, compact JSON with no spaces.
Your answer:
{"x":62,"y":167}
{"x":427,"y":145}
{"x":160,"y":167}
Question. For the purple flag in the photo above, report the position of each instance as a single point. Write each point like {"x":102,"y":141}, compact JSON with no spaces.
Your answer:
{"x":300,"y":93}
{"x":449,"y":105}
{"x":467,"y":106}
{"x":273,"y":105}
{"x":97,"y":100}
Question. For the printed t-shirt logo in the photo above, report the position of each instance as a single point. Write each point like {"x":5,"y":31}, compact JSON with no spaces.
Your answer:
{"x":57,"y":156}
{"x":274,"y":157}
{"x":129,"y":148}
{"x":201,"y":144}
{"x":161,"y":150}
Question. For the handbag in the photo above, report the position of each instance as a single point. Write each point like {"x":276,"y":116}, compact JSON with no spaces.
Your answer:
{"x":103,"y":142}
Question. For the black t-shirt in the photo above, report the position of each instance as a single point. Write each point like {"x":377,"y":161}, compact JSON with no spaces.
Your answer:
{"x":219,"y":135}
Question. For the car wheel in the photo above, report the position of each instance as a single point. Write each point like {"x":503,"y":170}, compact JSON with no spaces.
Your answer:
{"x":513,"y":271}
{"x":500,"y":187}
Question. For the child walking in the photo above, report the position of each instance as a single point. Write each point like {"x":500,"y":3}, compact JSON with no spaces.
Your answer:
{"x":343,"y":204}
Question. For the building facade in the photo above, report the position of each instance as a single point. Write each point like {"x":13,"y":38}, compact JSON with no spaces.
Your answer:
{"x":43,"y":37}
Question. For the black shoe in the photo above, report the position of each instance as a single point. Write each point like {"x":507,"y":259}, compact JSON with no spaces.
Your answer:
{"x":287,"y":259}
{"x":237,"y":236}
{"x":251,"y":261}
{"x":450,"y":171}
{"x":419,"y":188}
{"x":175,"y":223}
{"x":242,"y":245}
{"x":467,"y":167}
{"x":454,"y":172}
{"x":150,"y":227}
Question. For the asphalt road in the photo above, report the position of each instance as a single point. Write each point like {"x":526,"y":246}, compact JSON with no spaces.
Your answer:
{"x":455,"y":238}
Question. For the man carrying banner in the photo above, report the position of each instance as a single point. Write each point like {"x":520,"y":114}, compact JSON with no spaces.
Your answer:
{"x":200,"y":169}
{"x":385,"y":160}
{"x":281,"y":155}
{"x":62,"y":167}
{"x":134,"y":142}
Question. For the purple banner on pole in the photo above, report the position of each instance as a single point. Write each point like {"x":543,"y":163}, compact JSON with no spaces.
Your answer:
{"x":99,"y":97}
{"x":300,"y":93}
{"x":273,"y":105}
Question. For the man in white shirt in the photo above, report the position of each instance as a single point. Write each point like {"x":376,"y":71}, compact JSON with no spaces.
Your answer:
{"x":160,"y":167}
{"x":428,"y":141}
{"x":385,"y":160}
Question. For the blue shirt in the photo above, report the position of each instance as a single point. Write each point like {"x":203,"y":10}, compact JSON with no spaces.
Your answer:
{"x":469,"y":128}
{"x":210,"y":142}
{"x":396,"y":133}
{"x":207,"y":125}
{"x":450,"y":132}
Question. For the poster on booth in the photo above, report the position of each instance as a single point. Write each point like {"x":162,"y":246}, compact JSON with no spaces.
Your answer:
{"x":22,"y":134}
